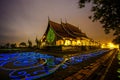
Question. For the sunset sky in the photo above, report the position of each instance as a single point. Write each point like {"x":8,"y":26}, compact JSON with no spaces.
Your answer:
{"x":21,"y":20}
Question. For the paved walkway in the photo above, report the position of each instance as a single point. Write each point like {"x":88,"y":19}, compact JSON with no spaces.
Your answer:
{"x":99,"y":70}
{"x":112,"y":72}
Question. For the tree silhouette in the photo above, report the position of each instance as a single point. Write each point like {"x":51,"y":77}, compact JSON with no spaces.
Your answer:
{"x":107,"y":12}
{"x":13,"y":45}
{"x":116,"y":40}
{"x":22,"y":44}
{"x":29,"y":44}
{"x":7,"y":45}
{"x":38,"y":42}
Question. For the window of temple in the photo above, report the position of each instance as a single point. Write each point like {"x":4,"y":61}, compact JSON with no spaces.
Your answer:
{"x":83,"y":42}
{"x":62,"y":42}
{"x":78,"y":43}
{"x":74,"y":43}
{"x":59,"y":42}
{"x":87,"y":43}
{"x":67,"y":42}
{"x":43,"y":44}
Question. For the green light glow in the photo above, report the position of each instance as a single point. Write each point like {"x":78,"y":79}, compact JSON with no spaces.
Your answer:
{"x":118,"y":70}
{"x":50,"y":36}
{"x":118,"y":56}
{"x":119,"y":63}
{"x":119,"y":76}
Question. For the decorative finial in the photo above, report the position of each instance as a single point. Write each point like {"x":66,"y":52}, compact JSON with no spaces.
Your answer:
{"x":48,"y":18}
{"x":65,"y":20}
{"x":36,"y":36}
{"x":78,"y":27}
{"x":61,"y":20}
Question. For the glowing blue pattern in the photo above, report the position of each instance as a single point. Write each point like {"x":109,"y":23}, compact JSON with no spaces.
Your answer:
{"x":27,"y":62}
{"x":79,"y":58}
{"x":31,"y":65}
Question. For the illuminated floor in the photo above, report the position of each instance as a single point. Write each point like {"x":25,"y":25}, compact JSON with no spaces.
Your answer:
{"x":31,"y":65}
{"x":28,"y":65}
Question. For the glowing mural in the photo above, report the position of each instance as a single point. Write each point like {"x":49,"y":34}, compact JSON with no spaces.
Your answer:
{"x":50,"y":35}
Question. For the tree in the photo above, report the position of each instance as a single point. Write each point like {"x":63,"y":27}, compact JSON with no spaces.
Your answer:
{"x":107,"y":12}
{"x":29,"y":44}
{"x":116,"y":40}
{"x":13,"y":45}
{"x":22,"y":44}
{"x":7,"y":45}
{"x":38,"y":42}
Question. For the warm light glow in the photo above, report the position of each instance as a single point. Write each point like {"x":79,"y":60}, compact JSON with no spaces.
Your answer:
{"x":83,"y":42}
{"x":87,"y":44}
{"x":103,"y":46}
{"x":59,"y":42}
{"x":78,"y":42}
{"x":73,"y":43}
{"x":67,"y":42}
{"x":109,"y":45}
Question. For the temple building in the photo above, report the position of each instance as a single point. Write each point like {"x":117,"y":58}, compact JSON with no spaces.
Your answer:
{"x":65,"y":35}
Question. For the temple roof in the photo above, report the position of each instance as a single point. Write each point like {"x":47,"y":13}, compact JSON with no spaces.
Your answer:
{"x":59,"y":30}
{"x":66,"y":30}
{"x":73,"y":30}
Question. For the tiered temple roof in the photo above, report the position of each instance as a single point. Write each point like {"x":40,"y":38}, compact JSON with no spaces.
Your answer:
{"x":65,"y":30}
{"x":65,"y":36}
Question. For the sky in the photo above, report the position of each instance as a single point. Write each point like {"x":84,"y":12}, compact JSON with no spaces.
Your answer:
{"x":21,"y":20}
